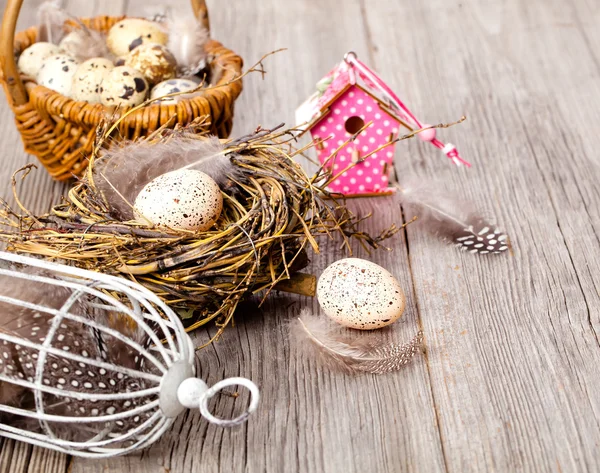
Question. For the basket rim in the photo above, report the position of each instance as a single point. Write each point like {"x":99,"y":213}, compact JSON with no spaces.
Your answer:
{"x":90,"y":114}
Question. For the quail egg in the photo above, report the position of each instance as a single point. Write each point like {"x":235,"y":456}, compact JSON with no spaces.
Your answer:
{"x":57,"y":73}
{"x":154,"y":61}
{"x":183,"y":199}
{"x":88,"y":78}
{"x":128,"y":34}
{"x":172,"y":86}
{"x":31,"y":59}
{"x":360,"y":294}
{"x":124,"y":86}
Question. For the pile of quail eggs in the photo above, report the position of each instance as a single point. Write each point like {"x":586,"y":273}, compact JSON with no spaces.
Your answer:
{"x":142,"y":67}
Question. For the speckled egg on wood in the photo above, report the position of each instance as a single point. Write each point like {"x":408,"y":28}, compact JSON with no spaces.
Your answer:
{"x":88,"y":78}
{"x":128,"y":34}
{"x":172,"y":86}
{"x":30,"y":60}
{"x":57,"y":73}
{"x":360,"y":294}
{"x":124,"y":86}
{"x":154,"y":61}
{"x":184,"y":199}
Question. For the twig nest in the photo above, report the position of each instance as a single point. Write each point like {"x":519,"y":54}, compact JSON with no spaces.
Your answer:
{"x":183,"y":199}
{"x":88,"y":78}
{"x":360,"y":294}
{"x":30,"y":60}
{"x":172,"y":86}
{"x":154,"y":61}
{"x":128,"y":34}
{"x":123,"y":86}
{"x":57,"y":73}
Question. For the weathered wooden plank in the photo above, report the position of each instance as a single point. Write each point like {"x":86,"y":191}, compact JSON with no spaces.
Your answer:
{"x":309,"y":420}
{"x":512,"y":362}
{"x":513,"y":346}
{"x":38,"y":193}
{"x":40,"y":190}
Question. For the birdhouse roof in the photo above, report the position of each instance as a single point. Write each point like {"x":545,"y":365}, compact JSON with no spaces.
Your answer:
{"x":329,"y":90}
{"x":351,"y":72}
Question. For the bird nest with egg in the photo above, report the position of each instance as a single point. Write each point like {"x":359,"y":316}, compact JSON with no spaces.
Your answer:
{"x":127,"y":216}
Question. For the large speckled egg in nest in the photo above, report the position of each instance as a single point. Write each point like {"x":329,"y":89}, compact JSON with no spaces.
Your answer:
{"x":184,"y":199}
{"x":128,"y":34}
{"x":124,"y":86}
{"x":154,"y":61}
{"x":88,"y":79}
{"x":360,"y":294}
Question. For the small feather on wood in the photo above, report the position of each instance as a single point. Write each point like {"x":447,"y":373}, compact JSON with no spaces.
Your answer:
{"x":362,"y":353}
{"x":122,"y":172}
{"x":453,"y":219}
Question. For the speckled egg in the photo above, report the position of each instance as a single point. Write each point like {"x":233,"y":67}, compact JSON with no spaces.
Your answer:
{"x":172,"y":86}
{"x":359,"y":294}
{"x":154,"y":61}
{"x":57,"y":73}
{"x":124,"y":86}
{"x":31,"y":59}
{"x":184,"y":199}
{"x":128,"y":34}
{"x":88,"y":78}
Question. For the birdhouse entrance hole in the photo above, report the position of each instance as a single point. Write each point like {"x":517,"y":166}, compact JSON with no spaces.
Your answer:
{"x":354,"y":124}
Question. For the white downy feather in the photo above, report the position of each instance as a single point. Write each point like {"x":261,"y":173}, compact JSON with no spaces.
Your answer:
{"x":78,"y":41}
{"x":187,"y":41}
{"x":123,"y":171}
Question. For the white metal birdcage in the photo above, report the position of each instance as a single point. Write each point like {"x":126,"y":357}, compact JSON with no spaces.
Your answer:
{"x":91,"y":364}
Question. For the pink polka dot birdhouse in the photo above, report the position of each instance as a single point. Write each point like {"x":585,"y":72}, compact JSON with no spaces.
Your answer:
{"x":355,"y":119}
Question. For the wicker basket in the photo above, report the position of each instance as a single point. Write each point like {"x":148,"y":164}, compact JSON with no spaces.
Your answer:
{"x":61,"y":131}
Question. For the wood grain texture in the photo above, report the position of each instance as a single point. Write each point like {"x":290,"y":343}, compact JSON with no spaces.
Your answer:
{"x":509,"y":378}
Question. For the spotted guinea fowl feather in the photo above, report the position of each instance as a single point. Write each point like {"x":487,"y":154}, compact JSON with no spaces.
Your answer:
{"x":453,"y":219}
{"x":362,"y":353}
{"x":19,"y":361}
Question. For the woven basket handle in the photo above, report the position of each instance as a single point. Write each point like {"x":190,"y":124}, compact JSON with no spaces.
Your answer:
{"x":15,"y":88}
{"x":201,"y":12}
{"x":14,"y":85}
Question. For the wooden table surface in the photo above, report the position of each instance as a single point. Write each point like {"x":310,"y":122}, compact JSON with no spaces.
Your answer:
{"x":512,"y":363}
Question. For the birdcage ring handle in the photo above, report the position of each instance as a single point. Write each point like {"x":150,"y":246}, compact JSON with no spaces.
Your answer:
{"x":213,"y":390}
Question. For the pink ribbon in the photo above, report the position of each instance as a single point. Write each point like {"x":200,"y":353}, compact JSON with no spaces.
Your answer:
{"x":448,"y":149}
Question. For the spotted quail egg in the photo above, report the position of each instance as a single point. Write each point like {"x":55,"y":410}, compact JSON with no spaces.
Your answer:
{"x":154,"y":61}
{"x":31,"y":59}
{"x":128,"y":34}
{"x":57,"y":72}
{"x":172,"y":86}
{"x":183,"y":199}
{"x":124,"y":86}
{"x":88,"y":78}
{"x":360,"y":294}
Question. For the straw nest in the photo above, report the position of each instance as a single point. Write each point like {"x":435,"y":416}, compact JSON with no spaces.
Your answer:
{"x":273,"y":213}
